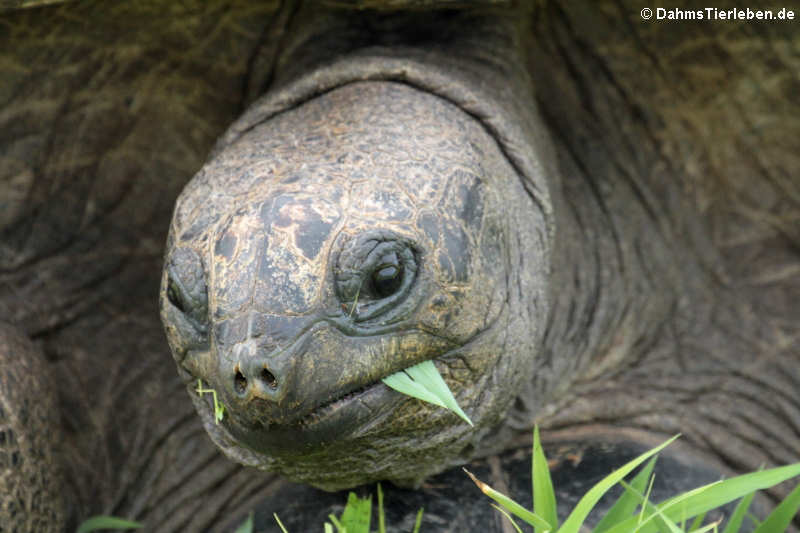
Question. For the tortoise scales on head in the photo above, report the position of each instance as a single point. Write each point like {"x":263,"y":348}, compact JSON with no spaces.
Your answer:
{"x":629,"y":276}
{"x":292,"y":248}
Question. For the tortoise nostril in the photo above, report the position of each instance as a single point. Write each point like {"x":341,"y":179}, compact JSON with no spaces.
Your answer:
{"x":269,"y":379}
{"x":239,"y":383}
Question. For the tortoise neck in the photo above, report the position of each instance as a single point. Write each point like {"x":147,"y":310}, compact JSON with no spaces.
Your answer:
{"x":319,"y":36}
{"x":645,"y":322}
{"x":617,"y":277}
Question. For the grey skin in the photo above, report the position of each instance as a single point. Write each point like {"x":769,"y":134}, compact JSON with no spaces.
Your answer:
{"x":643,"y":274}
{"x":434,"y":163}
{"x":273,"y":293}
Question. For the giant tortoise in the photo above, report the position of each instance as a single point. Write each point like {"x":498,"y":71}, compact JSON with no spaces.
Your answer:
{"x":587,"y":219}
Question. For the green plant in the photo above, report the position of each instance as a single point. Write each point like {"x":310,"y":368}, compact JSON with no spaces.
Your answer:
{"x":219,"y":409}
{"x":663,"y":517}
{"x":424,"y":382}
{"x":247,"y":525}
{"x":357,"y":516}
{"x":622,"y":517}
{"x":97,"y":523}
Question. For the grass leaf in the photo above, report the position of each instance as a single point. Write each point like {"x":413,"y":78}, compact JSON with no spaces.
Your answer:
{"x":219,"y":408}
{"x":381,"y":517}
{"x":781,"y":517}
{"x":663,"y":522}
{"x":247,"y":525}
{"x":97,"y":523}
{"x":508,"y":516}
{"x":671,"y":527}
{"x":626,"y":504}
{"x":754,"y":519}
{"x":423,"y":381}
{"x":658,"y":513}
{"x":402,"y":382}
{"x":339,"y":527}
{"x":698,"y":521}
{"x":357,"y":514}
{"x":418,"y":521}
{"x":735,"y":521}
{"x":428,"y":376}
{"x":544,"y":497}
{"x":280,"y":524}
{"x":709,"y":527}
{"x":718,"y":494}
{"x":578,"y":515}
{"x":643,"y":500}
{"x":510,"y":505}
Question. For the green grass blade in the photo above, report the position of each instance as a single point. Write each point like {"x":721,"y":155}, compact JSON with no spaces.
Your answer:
{"x":659,"y":513}
{"x":578,"y":515}
{"x":428,"y":376}
{"x":735,"y":521}
{"x":381,"y":517}
{"x":280,"y":524}
{"x":247,"y":525}
{"x":718,"y":494}
{"x":418,"y":521}
{"x":626,"y":504}
{"x":754,"y":519}
{"x":510,"y":519}
{"x":781,"y":517}
{"x":402,"y":382}
{"x":544,"y":497}
{"x":698,"y":521}
{"x":645,"y":501}
{"x":357,"y":514}
{"x":338,"y":525}
{"x":328,"y":528}
{"x":664,"y":524}
{"x":510,"y":505}
{"x":679,"y":503}
{"x":709,"y":527}
{"x":278,"y":520}
{"x":671,"y":527}
{"x":97,"y":523}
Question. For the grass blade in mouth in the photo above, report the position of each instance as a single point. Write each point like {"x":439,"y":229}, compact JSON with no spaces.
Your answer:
{"x":424,"y":382}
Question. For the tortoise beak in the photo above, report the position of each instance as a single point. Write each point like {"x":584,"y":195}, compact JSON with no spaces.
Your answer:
{"x":256,"y":355}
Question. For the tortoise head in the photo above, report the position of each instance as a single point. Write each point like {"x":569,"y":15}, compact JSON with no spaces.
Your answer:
{"x":362,"y":232}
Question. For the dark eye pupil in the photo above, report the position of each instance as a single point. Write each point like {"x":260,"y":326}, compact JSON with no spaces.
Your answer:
{"x":173,"y":297}
{"x":386,"y":280}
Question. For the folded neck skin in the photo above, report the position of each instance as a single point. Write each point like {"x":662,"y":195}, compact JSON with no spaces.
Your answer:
{"x":645,"y":335}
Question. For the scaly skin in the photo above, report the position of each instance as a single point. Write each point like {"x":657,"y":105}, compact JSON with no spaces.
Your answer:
{"x":30,"y":479}
{"x":287,"y":241}
{"x":640,"y":308}
{"x":674,"y":248}
{"x":105,"y":115}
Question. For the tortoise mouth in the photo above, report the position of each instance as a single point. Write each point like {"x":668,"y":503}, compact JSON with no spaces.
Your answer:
{"x":338,"y":418}
{"x":345,"y":416}
{"x":344,"y":412}
{"x":330,"y":407}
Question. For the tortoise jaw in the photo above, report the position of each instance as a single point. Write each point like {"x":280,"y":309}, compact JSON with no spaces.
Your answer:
{"x":331,"y":407}
{"x":346,"y":415}
{"x":334,"y":420}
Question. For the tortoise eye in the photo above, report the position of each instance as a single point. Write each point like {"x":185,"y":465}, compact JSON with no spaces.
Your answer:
{"x":375,"y":272}
{"x":174,"y":295}
{"x":387,"y":278}
{"x":186,"y":290}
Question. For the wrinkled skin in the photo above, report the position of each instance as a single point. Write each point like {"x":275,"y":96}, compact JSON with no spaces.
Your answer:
{"x":664,"y":221}
{"x":290,"y":242}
